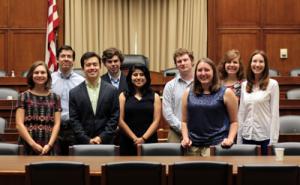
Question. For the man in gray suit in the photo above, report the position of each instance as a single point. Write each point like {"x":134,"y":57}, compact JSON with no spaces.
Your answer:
{"x":94,"y":106}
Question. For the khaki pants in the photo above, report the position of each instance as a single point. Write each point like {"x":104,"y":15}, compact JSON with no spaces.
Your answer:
{"x":174,"y":137}
{"x":198,"y":151}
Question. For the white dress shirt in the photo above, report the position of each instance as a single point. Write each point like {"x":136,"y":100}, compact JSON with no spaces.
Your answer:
{"x":259,"y":113}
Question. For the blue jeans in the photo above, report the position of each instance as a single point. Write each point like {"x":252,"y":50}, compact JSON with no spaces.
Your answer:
{"x":263,"y":145}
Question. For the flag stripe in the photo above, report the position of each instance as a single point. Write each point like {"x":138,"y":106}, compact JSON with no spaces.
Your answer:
{"x":52,"y":25}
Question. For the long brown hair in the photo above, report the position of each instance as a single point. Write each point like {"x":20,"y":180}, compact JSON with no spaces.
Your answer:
{"x":215,"y":84}
{"x":264,"y":78}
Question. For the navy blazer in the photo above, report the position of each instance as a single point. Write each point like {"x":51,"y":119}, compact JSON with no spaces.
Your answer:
{"x":122,"y":85}
{"x":87,"y":125}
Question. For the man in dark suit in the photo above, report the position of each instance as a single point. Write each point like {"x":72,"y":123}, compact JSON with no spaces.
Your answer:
{"x":94,"y":106}
{"x":112,"y":59}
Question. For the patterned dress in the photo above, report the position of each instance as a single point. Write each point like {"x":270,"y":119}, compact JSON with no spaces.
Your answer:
{"x":39,"y":118}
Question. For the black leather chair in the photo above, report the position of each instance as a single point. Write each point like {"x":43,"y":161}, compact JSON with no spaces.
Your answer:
{"x":200,"y":172}
{"x":289,"y":124}
{"x":94,"y":150}
{"x":236,"y":150}
{"x":131,"y":59}
{"x":10,"y":149}
{"x":133,"y":173}
{"x":57,"y":173}
{"x":171,"y":71}
{"x":160,"y":149}
{"x":293,"y":94}
{"x":5,"y":92}
{"x":262,"y":174}
{"x":290,"y":148}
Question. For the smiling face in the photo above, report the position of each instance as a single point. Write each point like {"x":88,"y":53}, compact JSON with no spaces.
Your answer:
{"x":40,"y":75}
{"x":204,"y":73}
{"x":91,"y":68}
{"x":138,"y":78}
{"x":232,"y":67}
{"x":257,"y":65}
{"x":66,"y":61}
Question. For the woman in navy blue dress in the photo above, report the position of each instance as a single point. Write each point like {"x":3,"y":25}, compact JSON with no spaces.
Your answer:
{"x":140,"y":111}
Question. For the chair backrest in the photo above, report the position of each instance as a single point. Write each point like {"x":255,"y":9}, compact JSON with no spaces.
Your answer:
{"x":57,"y":173}
{"x":133,"y":173}
{"x":200,"y":172}
{"x":160,"y":149}
{"x":2,"y":73}
{"x":79,"y":71}
{"x":24,"y":73}
{"x":2,"y":125}
{"x":236,"y":150}
{"x":289,"y":124}
{"x":295,"y":72}
{"x":290,"y":148}
{"x":94,"y":150}
{"x":130,"y":60}
{"x":5,"y":92}
{"x":171,"y":72}
{"x":10,"y":149}
{"x":293,"y":94}
{"x":273,"y":72}
{"x":262,"y":174}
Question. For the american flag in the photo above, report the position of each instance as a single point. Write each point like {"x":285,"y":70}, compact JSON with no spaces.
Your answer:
{"x":52,"y":25}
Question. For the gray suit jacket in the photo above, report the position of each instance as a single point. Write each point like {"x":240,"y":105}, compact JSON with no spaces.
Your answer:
{"x":85,"y":123}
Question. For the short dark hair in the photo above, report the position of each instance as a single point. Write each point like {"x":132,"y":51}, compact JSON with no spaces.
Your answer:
{"x":147,"y":86}
{"x":88,"y":55}
{"x":29,"y":76}
{"x":65,"y":47}
{"x":110,"y":52}
{"x":182,"y":51}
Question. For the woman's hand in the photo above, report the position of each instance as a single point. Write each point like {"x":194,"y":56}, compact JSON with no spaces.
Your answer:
{"x":139,"y":140}
{"x":227,"y":143}
{"x":46,"y":149}
{"x":186,"y":142}
{"x":37,"y":148}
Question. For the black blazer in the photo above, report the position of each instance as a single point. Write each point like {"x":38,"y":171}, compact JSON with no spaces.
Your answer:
{"x":123,"y":83}
{"x":85,"y":123}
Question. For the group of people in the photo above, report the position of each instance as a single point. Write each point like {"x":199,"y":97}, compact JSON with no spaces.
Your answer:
{"x":205,"y":106}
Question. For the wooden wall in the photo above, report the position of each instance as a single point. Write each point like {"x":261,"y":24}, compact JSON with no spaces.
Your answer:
{"x":23,"y":32}
{"x":255,"y":24}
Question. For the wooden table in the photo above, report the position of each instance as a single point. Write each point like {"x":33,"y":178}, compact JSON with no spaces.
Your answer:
{"x":12,"y":168}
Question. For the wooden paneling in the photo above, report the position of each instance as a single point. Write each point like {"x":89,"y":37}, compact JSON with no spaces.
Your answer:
{"x":3,"y":48}
{"x":3,"y":13}
{"x":237,"y":13}
{"x":27,"y":46}
{"x":275,"y":41}
{"x":23,"y":27}
{"x":276,"y":25}
{"x":243,"y":40}
{"x":24,"y":14}
{"x":281,"y":13}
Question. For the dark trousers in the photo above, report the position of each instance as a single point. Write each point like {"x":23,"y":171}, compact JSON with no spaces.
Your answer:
{"x":263,"y":145}
{"x":66,"y":137}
